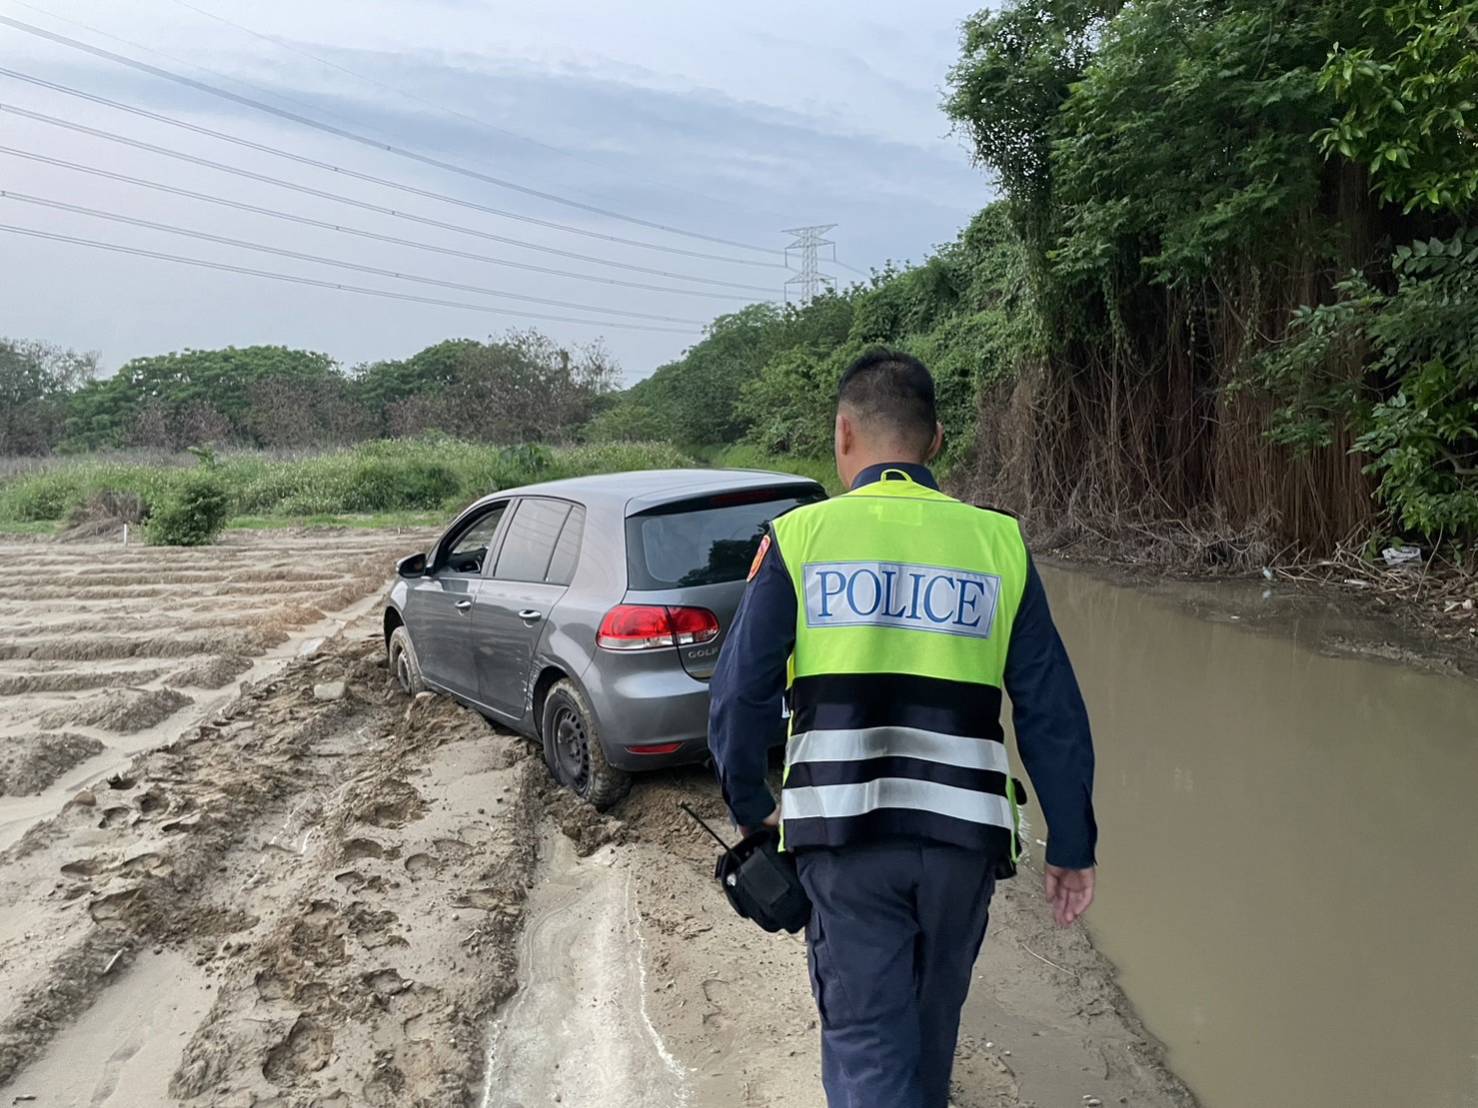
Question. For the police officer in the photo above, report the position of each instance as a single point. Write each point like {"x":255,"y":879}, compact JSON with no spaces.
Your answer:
{"x":891,"y":618}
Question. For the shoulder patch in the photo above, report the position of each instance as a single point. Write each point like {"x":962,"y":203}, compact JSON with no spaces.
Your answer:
{"x":759,"y":556}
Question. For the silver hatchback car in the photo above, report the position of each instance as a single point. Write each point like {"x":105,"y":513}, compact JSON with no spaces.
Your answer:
{"x":588,"y":613}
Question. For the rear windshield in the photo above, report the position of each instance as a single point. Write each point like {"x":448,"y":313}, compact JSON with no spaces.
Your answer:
{"x":704,"y":542}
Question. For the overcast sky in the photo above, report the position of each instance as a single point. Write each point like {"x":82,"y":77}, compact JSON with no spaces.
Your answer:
{"x":730,"y":120}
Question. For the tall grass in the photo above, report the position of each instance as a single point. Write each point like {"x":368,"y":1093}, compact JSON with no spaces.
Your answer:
{"x":745,"y":456}
{"x":401,"y":475}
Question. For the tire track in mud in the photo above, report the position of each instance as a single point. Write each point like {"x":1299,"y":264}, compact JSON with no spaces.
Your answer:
{"x":577,"y":1032}
{"x":131,"y":856}
{"x":348,"y":874}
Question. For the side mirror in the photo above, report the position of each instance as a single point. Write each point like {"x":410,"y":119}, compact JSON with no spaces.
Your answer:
{"x":412,"y":566}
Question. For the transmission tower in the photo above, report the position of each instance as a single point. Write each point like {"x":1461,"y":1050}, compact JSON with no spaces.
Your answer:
{"x":809,"y":279}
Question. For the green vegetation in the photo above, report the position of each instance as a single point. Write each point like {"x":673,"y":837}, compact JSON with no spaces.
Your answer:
{"x":1230,"y":284}
{"x":34,"y":527}
{"x":433,"y":474}
{"x":372,"y":522}
{"x":743,"y":456}
{"x":36,"y":381}
{"x":1231,"y":280}
{"x":764,"y":377}
{"x":192,"y":514}
{"x":521,"y":388}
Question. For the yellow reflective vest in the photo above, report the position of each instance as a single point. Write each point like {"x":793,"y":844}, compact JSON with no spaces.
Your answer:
{"x":904,"y":604}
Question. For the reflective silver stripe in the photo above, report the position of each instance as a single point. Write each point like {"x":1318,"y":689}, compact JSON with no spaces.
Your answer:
{"x":842,"y":801}
{"x":902,"y":742}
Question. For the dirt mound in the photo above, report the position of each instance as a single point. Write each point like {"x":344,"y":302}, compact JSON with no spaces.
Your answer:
{"x":287,"y":574}
{"x":286,"y":616}
{"x":125,"y":710}
{"x":213,"y":673}
{"x":28,"y":763}
{"x":103,"y":647}
{"x":19,"y":684}
{"x":653,"y":811}
{"x":586,"y":828}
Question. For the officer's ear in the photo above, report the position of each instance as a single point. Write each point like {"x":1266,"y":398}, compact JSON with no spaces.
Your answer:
{"x":846,"y":434}
{"x":937,"y":444}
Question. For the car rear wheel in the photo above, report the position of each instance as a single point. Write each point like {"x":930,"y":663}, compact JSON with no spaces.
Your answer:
{"x":404,"y":664}
{"x":572,"y":749}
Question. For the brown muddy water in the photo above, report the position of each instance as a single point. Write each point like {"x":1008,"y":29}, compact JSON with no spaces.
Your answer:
{"x":1289,"y":855}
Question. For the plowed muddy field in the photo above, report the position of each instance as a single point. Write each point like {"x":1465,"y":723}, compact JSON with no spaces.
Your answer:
{"x":294,"y":886}
{"x":107,"y":650}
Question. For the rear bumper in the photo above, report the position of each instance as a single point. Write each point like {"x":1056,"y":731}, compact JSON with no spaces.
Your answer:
{"x":691,"y":752}
{"x":638,"y":703}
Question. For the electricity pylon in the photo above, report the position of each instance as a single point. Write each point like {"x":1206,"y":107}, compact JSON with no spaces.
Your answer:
{"x":808,"y":280}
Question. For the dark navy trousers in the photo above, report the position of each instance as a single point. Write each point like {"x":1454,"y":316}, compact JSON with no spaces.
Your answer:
{"x":894,"y":932}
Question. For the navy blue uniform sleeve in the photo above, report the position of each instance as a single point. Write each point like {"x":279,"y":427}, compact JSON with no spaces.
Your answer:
{"x":1052,"y":730}
{"x":747,"y":689}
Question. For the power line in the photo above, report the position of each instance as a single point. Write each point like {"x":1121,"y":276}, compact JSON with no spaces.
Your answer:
{"x":363,"y":205}
{"x":283,"y":44}
{"x":850,"y":268}
{"x":116,"y":248}
{"x":90,"y":29}
{"x":364,"y":140}
{"x":274,"y":213}
{"x":243,"y":244}
{"x":385,"y":182}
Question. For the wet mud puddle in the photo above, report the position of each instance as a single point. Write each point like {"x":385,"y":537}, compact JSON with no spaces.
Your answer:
{"x":1289,"y":884}
{"x":577,"y":1033}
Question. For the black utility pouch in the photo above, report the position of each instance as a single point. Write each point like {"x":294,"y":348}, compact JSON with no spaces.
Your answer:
{"x":761,"y":882}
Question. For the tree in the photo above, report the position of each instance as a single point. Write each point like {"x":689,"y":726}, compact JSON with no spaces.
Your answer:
{"x":522,"y":388}
{"x":35,"y":381}
{"x":1411,"y":102}
{"x":172,"y":400}
{"x":383,"y":384}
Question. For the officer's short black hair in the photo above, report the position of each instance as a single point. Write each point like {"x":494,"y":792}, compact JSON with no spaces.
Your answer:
{"x":892,"y":391}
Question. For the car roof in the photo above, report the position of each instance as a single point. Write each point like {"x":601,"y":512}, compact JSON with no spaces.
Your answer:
{"x":645,"y":488}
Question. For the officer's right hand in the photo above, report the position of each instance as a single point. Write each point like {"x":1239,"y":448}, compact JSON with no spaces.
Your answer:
{"x":1069,"y":891}
{"x":772,"y":820}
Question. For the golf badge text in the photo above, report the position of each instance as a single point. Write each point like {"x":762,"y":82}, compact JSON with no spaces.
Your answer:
{"x":901,"y":594}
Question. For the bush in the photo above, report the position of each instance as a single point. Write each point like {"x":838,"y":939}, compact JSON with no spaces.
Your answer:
{"x":382,"y":484}
{"x":45,"y":496}
{"x":745,"y":456}
{"x":193,"y":515}
{"x":616,"y":457}
{"x":432,"y":472}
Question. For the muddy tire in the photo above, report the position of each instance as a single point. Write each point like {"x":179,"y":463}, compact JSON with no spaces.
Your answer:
{"x":572,"y":749}
{"x":405,"y":667}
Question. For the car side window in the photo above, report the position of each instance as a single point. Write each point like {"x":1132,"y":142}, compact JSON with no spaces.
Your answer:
{"x":567,"y":549}
{"x":531,"y":540}
{"x":469,"y":550}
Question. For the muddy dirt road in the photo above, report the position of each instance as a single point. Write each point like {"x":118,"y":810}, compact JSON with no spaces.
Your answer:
{"x":107,"y":650}
{"x":320,"y":893}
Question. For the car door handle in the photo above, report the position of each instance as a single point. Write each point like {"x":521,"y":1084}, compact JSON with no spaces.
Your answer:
{"x":463,"y":605}
{"x":530,"y":615}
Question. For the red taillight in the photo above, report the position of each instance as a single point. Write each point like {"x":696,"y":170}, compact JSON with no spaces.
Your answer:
{"x":693,"y":625}
{"x":654,"y":626}
{"x":656,"y":748}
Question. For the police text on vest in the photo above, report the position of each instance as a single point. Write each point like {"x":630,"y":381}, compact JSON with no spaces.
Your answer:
{"x":901,"y":594}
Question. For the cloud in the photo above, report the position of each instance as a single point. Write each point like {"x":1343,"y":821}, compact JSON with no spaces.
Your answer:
{"x":601,"y":128}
